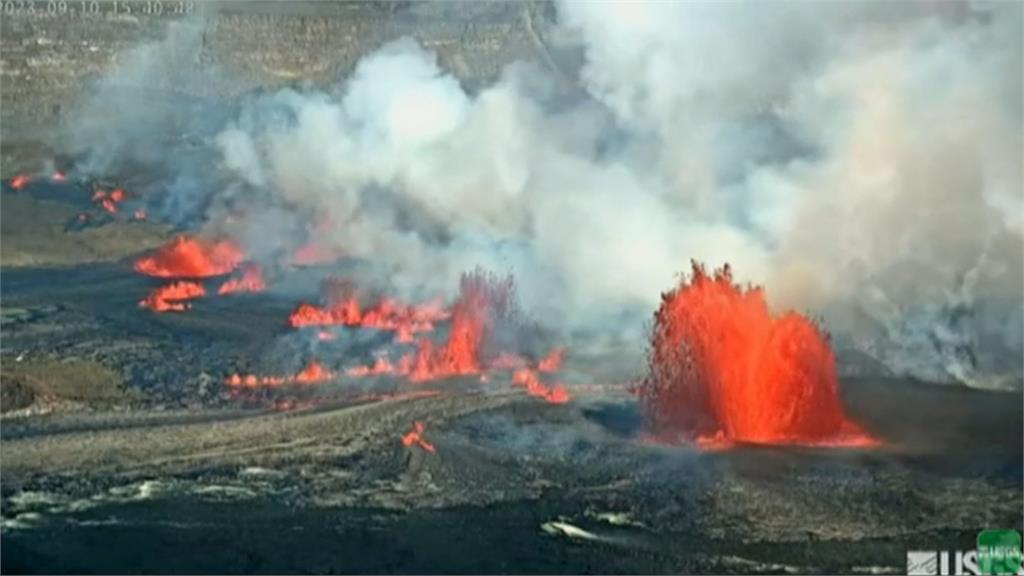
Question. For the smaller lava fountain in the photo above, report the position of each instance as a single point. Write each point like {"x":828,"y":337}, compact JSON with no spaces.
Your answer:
{"x":191,"y":257}
{"x":529,"y":379}
{"x":251,"y":280}
{"x":723,"y":369}
{"x":170,"y":298}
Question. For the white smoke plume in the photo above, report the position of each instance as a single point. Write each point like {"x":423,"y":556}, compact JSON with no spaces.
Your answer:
{"x":862,"y":161}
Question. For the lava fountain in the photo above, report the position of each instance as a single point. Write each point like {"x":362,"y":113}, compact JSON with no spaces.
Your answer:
{"x":191,"y":257}
{"x":170,"y":298}
{"x":723,"y":369}
{"x":251,"y":280}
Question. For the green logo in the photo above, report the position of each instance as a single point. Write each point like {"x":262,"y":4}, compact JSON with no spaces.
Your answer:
{"x":999,"y":551}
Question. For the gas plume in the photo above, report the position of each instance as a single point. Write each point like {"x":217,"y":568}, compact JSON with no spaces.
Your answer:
{"x":861,"y":161}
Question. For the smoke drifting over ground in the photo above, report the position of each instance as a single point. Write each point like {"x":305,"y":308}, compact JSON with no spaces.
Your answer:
{"x":863,"y":162}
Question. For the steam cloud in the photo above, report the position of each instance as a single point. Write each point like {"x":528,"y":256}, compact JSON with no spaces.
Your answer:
{"x":862,"y":161}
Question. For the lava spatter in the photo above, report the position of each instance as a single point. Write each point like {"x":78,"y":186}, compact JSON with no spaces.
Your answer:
{"x":415,"y":436}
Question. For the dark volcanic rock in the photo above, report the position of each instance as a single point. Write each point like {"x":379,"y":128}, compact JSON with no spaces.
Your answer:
{"x":14,"y":394}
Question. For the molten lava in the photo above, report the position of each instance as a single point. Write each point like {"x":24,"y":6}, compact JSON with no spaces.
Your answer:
{"x":391,"y":315}
{"x":529,"y":379}
{"x":381,"y":366}
{"x":484,"y":308}
{"x":313,"y":373}
{"x":553,"y":361}
{"x":723,"y":368}
{"x":109,"y":201}
{"x":483,"y":302}
{"x":170,"y":298}
{"x":251,"y":280}
{"x":58,"y":176}
{"x":415,"y":436}
{"x":191,"y":257}
{"x":19,"y":181}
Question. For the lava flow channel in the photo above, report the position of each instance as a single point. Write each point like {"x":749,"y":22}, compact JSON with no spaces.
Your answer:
{"x":723,"y":369}
{"x":191,"y":257}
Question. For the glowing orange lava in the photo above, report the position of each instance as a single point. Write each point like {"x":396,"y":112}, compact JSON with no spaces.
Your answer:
{"x":251,"y":280}
{"x":553,"y":361}
{"x":388,"y":314}
{"x":191,"y":257}
{"x":313,"y":373}
{"x":381,"y":366}
{"x":529,"y":379}
{"x":109,"y":201}
{"x":722,"y":368}
{"x":170,"y":298}
{"x":19,"y":181}
{"x":415,"y":436}
{"x":483,"y":300}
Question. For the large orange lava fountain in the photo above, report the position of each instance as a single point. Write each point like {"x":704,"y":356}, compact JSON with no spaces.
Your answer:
{"x":723,"y":369}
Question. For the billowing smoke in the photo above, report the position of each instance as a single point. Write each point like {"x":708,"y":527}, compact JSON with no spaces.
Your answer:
{"x":863,"y":161}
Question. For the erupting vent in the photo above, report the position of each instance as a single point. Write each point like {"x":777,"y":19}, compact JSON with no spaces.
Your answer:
{"x":191,"y":257}
{"x":722,"y":368}
{"x":170,"y":297}
{"x":251,"y":280}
